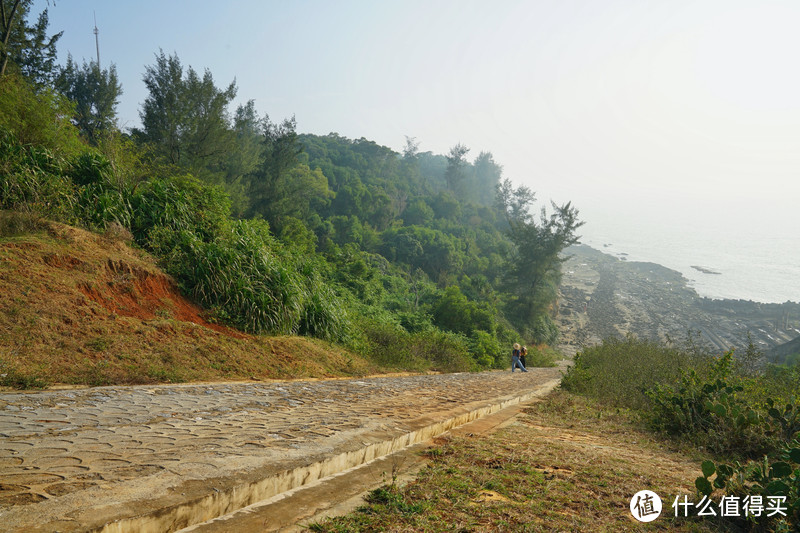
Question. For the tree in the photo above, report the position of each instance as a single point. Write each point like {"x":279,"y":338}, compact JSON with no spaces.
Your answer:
{"x":486,"y":175}
{"x":37,"y":117}
{"x":534,"y":265}
{"x":185,"y":117}
{"x":26,"y":47}
{"x":455,"y":175}
{"x":298,"y":194}
{"x":95,"y":92}
{"x":411,"y":149}
{"x":280,"y":152}
{"x":10,"y":13}
{"x":410,"y":162}
{"x":245,"y":158}
{"x":418,"y":213}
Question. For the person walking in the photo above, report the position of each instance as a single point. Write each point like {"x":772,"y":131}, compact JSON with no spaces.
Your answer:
{"x":522,"y":353}
{"x":515,"y":362}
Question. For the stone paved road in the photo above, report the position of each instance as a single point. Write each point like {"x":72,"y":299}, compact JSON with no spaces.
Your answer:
{"x":76,"y":460}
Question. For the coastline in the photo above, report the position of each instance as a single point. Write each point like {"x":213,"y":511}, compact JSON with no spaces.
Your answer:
{"x":605,"y":296}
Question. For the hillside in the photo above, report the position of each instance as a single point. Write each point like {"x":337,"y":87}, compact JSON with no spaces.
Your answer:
{"x":81,"y":308}
{"x":788,"y":351}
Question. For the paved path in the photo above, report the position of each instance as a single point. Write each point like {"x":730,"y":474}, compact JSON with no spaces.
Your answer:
{"x":103,"y":458}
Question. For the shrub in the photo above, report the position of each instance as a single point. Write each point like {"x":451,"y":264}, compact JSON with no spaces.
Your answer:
{"x":712,"y":410}
{"x":179,"y":203}
{"x":485,"y":349}
{"x":448,"y":352}
{"x":251,"y":281}
{"x":31,"y":180}
{"x":544,"y":330}
{"x":620,"y":371}
{"x":38,"y":118}
{"x":388,"y":344}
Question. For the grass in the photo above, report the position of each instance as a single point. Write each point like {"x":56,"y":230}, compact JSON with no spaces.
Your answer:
{"x":566,"y":464}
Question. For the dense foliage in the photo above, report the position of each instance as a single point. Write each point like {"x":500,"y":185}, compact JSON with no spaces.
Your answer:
{"x":747,"y":417}
{"x":410,"y":257}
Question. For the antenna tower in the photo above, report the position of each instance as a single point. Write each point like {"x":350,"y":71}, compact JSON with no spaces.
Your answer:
{"x":97,"y":39}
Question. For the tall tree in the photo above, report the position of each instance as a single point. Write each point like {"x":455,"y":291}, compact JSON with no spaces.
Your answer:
{"x":185,"y":117}
{"x":486,"y":175}
{"x":282,"y":186}
{"x":455,"y":175}
{"x":533,"y":269}
{"x":27,"y":47}
{"x":11,"y":12}
{"x":245,"y":157}
{"x":95,"y":92}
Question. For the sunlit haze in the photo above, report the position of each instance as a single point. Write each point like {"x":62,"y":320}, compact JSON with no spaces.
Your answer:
{"x":685,"y":112}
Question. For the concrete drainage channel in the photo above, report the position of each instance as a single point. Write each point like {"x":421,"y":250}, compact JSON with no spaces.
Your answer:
{"x":223,"y":502}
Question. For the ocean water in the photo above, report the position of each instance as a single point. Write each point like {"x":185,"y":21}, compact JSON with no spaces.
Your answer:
{"x":756,"y":255}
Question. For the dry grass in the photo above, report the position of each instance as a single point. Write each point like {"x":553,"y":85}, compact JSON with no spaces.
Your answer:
{"x":81,"y":308}
{"x":565,"y":465}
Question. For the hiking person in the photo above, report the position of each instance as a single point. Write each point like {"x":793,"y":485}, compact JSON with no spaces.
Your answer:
{"x":522,"y":353}
{"x":515,"y":362}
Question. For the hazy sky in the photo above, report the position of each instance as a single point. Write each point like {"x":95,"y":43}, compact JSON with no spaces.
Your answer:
{"x":602,"y":102}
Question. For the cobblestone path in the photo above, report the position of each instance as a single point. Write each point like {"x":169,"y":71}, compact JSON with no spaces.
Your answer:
{"x":73,"y":460}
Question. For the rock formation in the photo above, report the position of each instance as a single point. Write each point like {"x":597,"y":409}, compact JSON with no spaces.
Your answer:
{"x":602,"y":296}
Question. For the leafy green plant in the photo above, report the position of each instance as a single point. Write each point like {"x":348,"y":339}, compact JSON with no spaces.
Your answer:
{"x":179,"y":203}
{"x":767,"y":478}
{"x":786,"y":417}
{"x":32,"y":180}
{"x":711,"y":409}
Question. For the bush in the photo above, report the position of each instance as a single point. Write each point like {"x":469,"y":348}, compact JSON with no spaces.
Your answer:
{"x":486,"y":350}
{"x":544,"y":330}
{"x":713,"y":411}
{"x":388,"y":344}
{"x":179,"y":203}
{"x":448,"y":352}
{"x":621,"y":371}
{"x":38,"y":118}
{"x":251,"y":281}
{"x":32,"y":180}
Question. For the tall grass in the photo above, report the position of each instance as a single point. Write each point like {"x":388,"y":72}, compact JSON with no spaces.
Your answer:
{"x":251,"y":281}
{"x":32,"y":180}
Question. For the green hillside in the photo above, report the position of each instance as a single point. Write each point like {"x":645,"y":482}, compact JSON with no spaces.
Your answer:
{"x":416,"y":260}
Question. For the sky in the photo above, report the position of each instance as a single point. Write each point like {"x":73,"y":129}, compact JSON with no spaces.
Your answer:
{"x":627,"y":108}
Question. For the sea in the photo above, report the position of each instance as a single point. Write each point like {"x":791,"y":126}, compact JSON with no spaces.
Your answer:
{"x":734,"y":254}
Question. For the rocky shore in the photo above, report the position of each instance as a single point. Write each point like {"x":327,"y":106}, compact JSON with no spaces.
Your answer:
{"x":602,"y":296}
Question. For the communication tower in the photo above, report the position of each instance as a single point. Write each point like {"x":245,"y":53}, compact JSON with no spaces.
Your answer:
{"x":97,"y":39}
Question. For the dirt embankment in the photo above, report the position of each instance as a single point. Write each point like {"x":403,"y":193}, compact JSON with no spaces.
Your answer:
{"x":602,"y":296}
{"x":80,"y":308}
